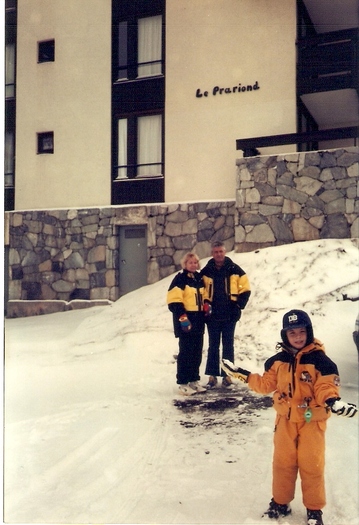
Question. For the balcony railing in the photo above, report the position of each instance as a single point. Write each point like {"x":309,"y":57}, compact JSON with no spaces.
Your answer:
{"x":310,"y":138}
{"x":327,"y":62}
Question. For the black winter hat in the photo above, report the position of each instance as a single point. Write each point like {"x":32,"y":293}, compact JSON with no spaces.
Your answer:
{"x":296,"y":319}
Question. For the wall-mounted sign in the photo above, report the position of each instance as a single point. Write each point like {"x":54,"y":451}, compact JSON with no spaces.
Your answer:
{"x":217,"y":90}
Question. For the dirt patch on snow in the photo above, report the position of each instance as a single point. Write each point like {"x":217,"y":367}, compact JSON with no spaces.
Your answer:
{"x":221,"y":407}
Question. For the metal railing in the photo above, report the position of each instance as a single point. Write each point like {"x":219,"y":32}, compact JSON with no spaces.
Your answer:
{"x":249,"y":146}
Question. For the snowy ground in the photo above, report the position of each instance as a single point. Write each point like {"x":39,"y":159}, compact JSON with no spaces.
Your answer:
{"x":91,"y":431}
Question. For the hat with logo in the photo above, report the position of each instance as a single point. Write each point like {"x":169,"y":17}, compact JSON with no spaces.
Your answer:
{"x":296,"y":319}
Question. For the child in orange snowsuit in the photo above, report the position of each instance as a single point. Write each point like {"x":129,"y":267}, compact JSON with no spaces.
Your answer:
{"x":306,"y":385}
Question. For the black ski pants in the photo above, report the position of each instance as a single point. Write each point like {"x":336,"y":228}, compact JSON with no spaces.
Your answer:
{"x":190,"y":357}
{"x":216,"y":331}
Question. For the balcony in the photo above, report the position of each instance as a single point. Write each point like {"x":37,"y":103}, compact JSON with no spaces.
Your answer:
{"x":328,"y":62}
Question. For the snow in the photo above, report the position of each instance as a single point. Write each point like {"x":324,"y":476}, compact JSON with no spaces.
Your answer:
{"x":91,"y":431}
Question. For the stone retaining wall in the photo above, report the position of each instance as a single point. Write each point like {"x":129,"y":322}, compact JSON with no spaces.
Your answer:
{"x":70,"y":254}
{"x":74,"y":254}
{"x":297,"y":197}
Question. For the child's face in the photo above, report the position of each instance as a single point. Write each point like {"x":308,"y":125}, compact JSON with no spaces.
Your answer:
{"x":297,"y":337}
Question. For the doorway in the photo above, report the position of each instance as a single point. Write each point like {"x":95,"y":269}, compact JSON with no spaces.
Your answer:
{"x":133,"y":258}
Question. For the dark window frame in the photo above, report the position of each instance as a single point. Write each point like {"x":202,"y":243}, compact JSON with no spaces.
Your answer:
{"x":10,"y":86}
{"x":10,"y":101}
{"x":131,"y":12}
{"x":42,"y":147}
{"x":46,"y":51}
{"x":136,"y":97}
{"x":131,"y":66}
{"x":132,"y":150}
{"x":9,"y":174}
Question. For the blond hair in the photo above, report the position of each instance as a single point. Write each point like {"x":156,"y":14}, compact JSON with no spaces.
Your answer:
{"x":188,"y":256}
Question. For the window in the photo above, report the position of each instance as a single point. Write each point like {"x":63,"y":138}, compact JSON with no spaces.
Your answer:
{"x":10,"y":102}
{"x":10,"y":70}
{"x":138,"y":101}
{"x":149,"y":46}
{"x":46,"y":51}
{"x":140,"y":48}
{"x":45,"y":142}
{"x":9,"y":154}
{"x":139,"y":147}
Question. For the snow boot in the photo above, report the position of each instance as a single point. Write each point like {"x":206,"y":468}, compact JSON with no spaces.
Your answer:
{"x":314,"y":517}
{"x":212,"y":381}
{"x":186,"y":390}
{"x":275,"y":510}
{"x":197,"y":387}
{"x":227,"y":382}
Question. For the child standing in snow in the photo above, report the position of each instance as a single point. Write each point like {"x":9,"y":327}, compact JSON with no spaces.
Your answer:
{"x":306,"y":385}
{"x":185,"y":301}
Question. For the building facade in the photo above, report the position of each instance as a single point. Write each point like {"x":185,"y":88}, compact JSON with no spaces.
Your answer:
{"x":115,"y":103}
{"x":125,"y":102}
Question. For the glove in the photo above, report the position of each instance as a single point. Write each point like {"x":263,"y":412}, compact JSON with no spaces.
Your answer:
{"x":235,"y":371}
{"x":340,"y":408}
{"x":185,"y":323}
{"x":207,"y":308}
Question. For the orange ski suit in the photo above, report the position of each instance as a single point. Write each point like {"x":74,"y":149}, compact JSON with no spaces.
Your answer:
{"x":301,"y":383}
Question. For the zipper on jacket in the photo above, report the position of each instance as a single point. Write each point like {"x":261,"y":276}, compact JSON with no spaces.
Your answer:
{"x":290,"y":370}
{"x":198,"y":300}
{"x":294,"y":369}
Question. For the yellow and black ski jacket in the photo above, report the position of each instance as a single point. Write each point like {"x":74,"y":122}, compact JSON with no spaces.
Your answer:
{"x":227,"y":288}
{"x":185,"y":296}
{"x":306,"y":379}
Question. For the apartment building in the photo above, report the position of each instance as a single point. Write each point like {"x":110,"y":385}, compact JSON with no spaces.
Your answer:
{"x":123,"y":102}
{"x":120,"y":105}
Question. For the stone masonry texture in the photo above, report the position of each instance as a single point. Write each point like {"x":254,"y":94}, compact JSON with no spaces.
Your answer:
{"x":298,"y":197}
{"x":73,"y":254}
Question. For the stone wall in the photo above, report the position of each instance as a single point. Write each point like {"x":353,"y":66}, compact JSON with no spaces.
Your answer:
{"x":175,"y":229}
{"x":74,"y":254}
{"x":298,"y":197}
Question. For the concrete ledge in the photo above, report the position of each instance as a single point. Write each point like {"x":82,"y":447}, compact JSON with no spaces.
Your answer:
{"x":78,"y":304}
{"x":30,"y":308}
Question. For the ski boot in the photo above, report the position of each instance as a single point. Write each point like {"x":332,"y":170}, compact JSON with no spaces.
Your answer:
{"x":314,"y":517}
{"x":275,"y":510}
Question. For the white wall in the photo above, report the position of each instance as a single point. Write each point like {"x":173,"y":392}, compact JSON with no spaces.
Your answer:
{"x":223,"y":43}
{"x":71,"y":96}
{"x":208,"y":43}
